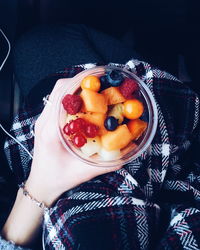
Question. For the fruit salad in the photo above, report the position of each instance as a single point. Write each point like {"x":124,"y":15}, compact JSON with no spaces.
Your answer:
{"x":105,"y":115}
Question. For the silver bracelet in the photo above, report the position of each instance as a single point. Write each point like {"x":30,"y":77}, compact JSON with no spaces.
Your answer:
{"x":27,"y":194}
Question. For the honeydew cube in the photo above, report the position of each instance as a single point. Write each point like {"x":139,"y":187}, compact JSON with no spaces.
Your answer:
{"x":109,"y":155}
{"x":92,"y":146}
{"x":70,"y":118}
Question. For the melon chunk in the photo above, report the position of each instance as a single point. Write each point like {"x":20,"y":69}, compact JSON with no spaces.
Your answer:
{"x":109,"y":155}
{"x":70,"y":118}
{"x":95,"y":118}
{"x":113,"y":95}
{"x":92,"y":146}
{"x":94,"y":102}
{"x":116,"y":139}
{"x":137,"y":128}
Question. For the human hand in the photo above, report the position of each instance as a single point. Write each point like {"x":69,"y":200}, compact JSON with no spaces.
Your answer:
{"x":54,"y":170}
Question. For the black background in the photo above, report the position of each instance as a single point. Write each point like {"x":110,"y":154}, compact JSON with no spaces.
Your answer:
{"x":162,"y":30}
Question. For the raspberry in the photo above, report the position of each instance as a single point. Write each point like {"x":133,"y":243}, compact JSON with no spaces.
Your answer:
{"x":128,"y":87}
{"x":72,"y":103}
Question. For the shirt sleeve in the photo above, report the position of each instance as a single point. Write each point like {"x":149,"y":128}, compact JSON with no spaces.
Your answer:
{"x":8,"y":245}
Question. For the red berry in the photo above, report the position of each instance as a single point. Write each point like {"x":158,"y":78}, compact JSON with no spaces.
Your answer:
{"x":66,"y":129}
{"x":72,"y":103}
{"x":79,"y":140}
{"x":91,"y":130}
{"x":128,"y":87}
{"x":73,"y":127}
{"x":77,"y":125}
{"x":81,"y":123}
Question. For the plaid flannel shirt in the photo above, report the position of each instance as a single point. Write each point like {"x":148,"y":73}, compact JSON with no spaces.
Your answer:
{"x":152,"y":202}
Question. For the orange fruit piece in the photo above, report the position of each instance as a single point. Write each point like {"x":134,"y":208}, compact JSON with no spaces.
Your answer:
{"x":137,"y":128}
{"x":113,"y":95}
{"x":91,"y":82}
{"x":83,"y":108}
{"x":93,"y":101}
{"x":133,"y":109}
{"x":117,"y":139}
{"x":95,"y":118}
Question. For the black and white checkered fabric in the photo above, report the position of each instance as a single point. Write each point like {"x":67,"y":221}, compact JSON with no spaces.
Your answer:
{"x":152,"y":202}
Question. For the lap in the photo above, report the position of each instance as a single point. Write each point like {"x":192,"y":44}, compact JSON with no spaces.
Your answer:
{"x":46,"y":50}
{"x":130,"y":199}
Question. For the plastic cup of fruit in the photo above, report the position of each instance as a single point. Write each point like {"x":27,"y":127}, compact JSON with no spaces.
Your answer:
{"x":131,"y":151}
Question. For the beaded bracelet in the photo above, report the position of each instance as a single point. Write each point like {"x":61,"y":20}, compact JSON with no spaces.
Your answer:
{"x":27,"y":194}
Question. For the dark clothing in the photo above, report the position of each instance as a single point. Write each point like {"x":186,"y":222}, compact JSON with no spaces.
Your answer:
{"x":152,"y":202}
{"x":47,"y":50}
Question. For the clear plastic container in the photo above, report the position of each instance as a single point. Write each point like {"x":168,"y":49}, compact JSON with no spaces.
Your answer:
{"x":129,"y":153}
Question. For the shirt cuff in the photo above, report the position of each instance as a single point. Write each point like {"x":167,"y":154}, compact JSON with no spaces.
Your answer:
{"x":8,"y":245}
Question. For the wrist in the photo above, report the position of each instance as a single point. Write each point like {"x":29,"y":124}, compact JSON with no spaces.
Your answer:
{"x":24,"y":221}
{"x":41,"y":192}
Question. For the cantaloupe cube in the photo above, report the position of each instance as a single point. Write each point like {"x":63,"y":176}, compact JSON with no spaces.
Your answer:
{"x":83,"y":108}
{"x":94,"y":102}
{"x":137,"y":128}
{"x":102,"y":131}
{"x":95,"y":118}
{"x":116,"y":139}
{"x":113,"y":95}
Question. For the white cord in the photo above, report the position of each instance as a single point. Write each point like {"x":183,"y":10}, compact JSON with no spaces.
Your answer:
{"x":18,"y":142}
{"x":4,"y":61}
{"x":9,"y":48}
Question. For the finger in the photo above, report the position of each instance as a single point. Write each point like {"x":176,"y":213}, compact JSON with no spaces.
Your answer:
{"x":92,"y":171}
{"x":57,"y":96}
{"x":58,"y":84}
{"x":49,"y":115}
{"x":53,"y":98}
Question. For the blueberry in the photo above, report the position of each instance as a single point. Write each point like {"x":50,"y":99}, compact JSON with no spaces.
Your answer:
{"x":111,"y":123}
{"x":104,"y":82}
{"x":125,"y":121}
{"x":115,"y":78}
